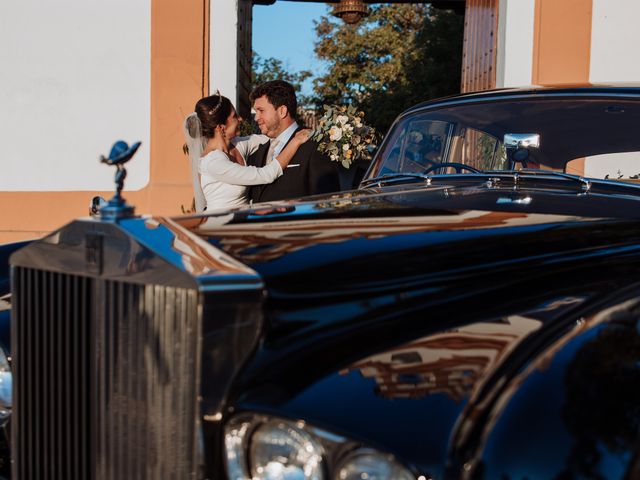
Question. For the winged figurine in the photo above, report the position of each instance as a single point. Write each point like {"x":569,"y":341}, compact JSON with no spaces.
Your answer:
{"x":120,"y":154}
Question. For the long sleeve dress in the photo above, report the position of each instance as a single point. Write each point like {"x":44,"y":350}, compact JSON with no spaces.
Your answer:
{"x":224,"y":182}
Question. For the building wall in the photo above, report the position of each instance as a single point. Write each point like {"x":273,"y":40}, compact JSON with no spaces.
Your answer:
{"x":230,"y":51}
{"x":80,"y":74}
{"x":536,"y":44}
{"x":614,"y":41}
{"x":561,"y":51}
{"x":58,"y":86}
{"x":515,"y":43}
{"x":479,"y":45}
{"x":570,"y":42}
{"x":550,"y":42}
{"x":224,"y":47}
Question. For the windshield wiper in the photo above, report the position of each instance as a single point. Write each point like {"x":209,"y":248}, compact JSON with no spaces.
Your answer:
{"x":393,"y":177}
{"x":585,"y":183}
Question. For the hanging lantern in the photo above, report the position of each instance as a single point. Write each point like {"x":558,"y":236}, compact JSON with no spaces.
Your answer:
{"x":351,"y":11}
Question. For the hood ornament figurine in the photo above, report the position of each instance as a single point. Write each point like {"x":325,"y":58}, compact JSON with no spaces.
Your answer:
{"x":117,"y":208}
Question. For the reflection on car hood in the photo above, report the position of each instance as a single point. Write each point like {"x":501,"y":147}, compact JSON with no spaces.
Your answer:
{"x":321,"y":248}
{"x":386,"y":304}
{"x":445,"y":391}
{"x":436,"y":387}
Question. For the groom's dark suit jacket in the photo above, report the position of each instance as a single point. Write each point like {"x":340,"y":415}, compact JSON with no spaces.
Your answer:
{"x":308,"y":173}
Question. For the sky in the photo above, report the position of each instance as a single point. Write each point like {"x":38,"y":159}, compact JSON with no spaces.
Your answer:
{"x":285,"y":31}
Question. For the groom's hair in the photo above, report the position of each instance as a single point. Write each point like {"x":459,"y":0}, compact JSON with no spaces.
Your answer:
{"x":279,"y":93}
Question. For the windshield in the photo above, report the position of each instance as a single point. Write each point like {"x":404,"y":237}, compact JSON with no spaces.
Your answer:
{"x":589,"y":137}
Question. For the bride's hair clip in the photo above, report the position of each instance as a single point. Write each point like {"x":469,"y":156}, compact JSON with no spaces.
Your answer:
{"x":217,"y":107}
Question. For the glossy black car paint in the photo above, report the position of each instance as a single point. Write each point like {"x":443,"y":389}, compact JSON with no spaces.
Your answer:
{"x":334,"y":302}
{"x":521,"y":293}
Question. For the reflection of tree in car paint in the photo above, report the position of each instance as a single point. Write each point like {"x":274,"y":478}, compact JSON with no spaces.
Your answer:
{"x":602,"y":409}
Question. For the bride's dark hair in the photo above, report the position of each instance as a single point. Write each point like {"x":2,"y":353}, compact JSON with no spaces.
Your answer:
{"x":212,"y":111}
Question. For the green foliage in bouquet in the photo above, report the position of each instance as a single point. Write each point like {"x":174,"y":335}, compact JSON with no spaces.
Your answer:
{"x":343,"y":136}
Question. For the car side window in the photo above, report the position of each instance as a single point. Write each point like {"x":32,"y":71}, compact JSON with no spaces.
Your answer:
{"x":415,"y":146}
{"x":477,"y":149}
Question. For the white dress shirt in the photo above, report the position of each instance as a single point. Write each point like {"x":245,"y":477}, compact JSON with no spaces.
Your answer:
{"x":283,"y":138}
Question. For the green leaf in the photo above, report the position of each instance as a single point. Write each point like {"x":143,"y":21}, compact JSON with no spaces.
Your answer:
{"x":399,"y":55}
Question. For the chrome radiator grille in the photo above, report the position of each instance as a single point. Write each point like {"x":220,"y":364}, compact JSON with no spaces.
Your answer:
{"x":106,"y":378}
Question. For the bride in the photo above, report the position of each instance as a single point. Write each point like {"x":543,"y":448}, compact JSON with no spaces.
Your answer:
{"x":219,"y":171}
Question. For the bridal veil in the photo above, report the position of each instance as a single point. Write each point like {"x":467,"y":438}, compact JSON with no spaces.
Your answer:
{"x":195,"y":144}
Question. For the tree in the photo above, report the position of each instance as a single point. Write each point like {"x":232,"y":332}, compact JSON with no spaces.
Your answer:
{"x":267,"y":69}
{"x":396,"y":57}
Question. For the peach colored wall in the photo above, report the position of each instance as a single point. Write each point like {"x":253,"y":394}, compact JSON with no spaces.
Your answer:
{"x":562,"y":47}
{"x":562,"y":41}
{"x":179,"y":76}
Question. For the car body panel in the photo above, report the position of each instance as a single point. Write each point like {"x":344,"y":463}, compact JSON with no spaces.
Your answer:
{"x":477,"y":325}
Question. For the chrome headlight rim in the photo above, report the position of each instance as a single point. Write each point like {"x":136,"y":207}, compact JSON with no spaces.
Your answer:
{"x":394,"y":468}
{"x":308,"y":452}
{"x":337,"y":451}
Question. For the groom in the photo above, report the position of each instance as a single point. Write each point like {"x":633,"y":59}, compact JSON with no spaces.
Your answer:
{"x":309,"y":171}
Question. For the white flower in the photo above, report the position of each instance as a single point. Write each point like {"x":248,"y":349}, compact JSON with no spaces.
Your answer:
{"x":335,"y":133}
{"x":343,"y":135}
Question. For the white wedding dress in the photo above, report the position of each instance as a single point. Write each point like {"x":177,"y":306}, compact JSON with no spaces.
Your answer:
{"x":224,"y":182}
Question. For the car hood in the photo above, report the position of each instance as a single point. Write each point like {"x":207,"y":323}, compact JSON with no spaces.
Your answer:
{"x":375,"y":241}
{"x":386,"y":306}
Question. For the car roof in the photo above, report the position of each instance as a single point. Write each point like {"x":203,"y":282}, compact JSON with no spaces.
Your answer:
{"x":574,"y":89}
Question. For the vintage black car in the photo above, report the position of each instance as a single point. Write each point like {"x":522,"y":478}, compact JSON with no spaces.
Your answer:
{"x":471,"y":311}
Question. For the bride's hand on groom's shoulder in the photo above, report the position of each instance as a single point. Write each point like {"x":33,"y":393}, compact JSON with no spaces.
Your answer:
{"x":302,"y":136}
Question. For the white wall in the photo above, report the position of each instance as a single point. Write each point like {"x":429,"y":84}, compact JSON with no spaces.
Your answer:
{"x":614,"y":58}
{"x":615,"y":38}
{"x":624,"y":164}
{"x":223,"y":49}
{"x":515,"y":43}
{"x":75,"y":78}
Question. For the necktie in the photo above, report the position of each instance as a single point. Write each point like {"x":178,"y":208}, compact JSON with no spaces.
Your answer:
{"x":272,"y":148}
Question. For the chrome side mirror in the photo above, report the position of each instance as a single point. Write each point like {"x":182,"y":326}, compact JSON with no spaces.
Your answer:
{"x":518,"y":145}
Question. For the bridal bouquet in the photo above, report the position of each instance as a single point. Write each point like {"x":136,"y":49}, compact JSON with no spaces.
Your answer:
{"x":343,"y":136}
